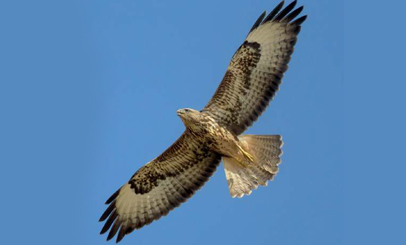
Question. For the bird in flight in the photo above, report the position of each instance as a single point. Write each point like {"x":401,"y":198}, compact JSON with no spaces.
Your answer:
{"x":214,"y":133}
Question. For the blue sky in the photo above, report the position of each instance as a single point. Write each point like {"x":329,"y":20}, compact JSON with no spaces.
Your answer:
{"x":89,"y":93}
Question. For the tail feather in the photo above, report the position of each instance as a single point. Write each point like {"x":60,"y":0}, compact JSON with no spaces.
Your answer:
{"x":266,"y":151}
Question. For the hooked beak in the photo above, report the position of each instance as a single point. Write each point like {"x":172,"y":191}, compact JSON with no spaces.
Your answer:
{"x":179,"y":112}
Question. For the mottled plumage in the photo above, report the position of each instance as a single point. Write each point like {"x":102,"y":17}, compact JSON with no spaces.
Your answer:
{"x":250,"y":82}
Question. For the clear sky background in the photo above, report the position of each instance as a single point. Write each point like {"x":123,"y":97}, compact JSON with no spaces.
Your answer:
{"x":89,"y":92}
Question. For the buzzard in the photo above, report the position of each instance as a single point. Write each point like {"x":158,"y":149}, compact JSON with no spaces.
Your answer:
{"x":214,"y":133}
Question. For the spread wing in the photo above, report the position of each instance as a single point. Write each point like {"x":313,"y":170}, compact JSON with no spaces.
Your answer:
{"x":256,"y":69}
{"x":159,"y":186}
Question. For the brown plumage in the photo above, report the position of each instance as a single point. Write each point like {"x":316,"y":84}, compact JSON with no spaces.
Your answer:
{"x":251,"y":80}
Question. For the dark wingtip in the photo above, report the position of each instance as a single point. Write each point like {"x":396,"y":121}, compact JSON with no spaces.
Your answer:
{"x":274,"y":12}
{"x":114,"y":230}
{"x":119,"y":238}
{"x":285,"y":11}
{"x":293,"y":14}
{"x":258,"y":22}
{"x":281,"y":15}
{"x":108,"y":211}
{"x":114,"y":196}
{"x":120,"y":235}
{"x":299,"y":21}
{"x":108,"y":223}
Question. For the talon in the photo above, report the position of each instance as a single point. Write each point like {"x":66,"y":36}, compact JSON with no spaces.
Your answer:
{"x":249,"y":156}
{"x":246,"y":154}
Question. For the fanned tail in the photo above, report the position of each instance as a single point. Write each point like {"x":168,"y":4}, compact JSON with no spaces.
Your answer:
{"x":266,"y":151}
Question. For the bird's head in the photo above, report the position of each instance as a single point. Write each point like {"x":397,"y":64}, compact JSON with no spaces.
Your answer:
{"x":189,"y":116}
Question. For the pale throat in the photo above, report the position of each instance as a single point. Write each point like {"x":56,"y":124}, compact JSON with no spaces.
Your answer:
{"x":192,"y":125}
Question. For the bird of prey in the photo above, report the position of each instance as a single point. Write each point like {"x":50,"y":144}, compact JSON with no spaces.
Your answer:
{"x":214,"y":133}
